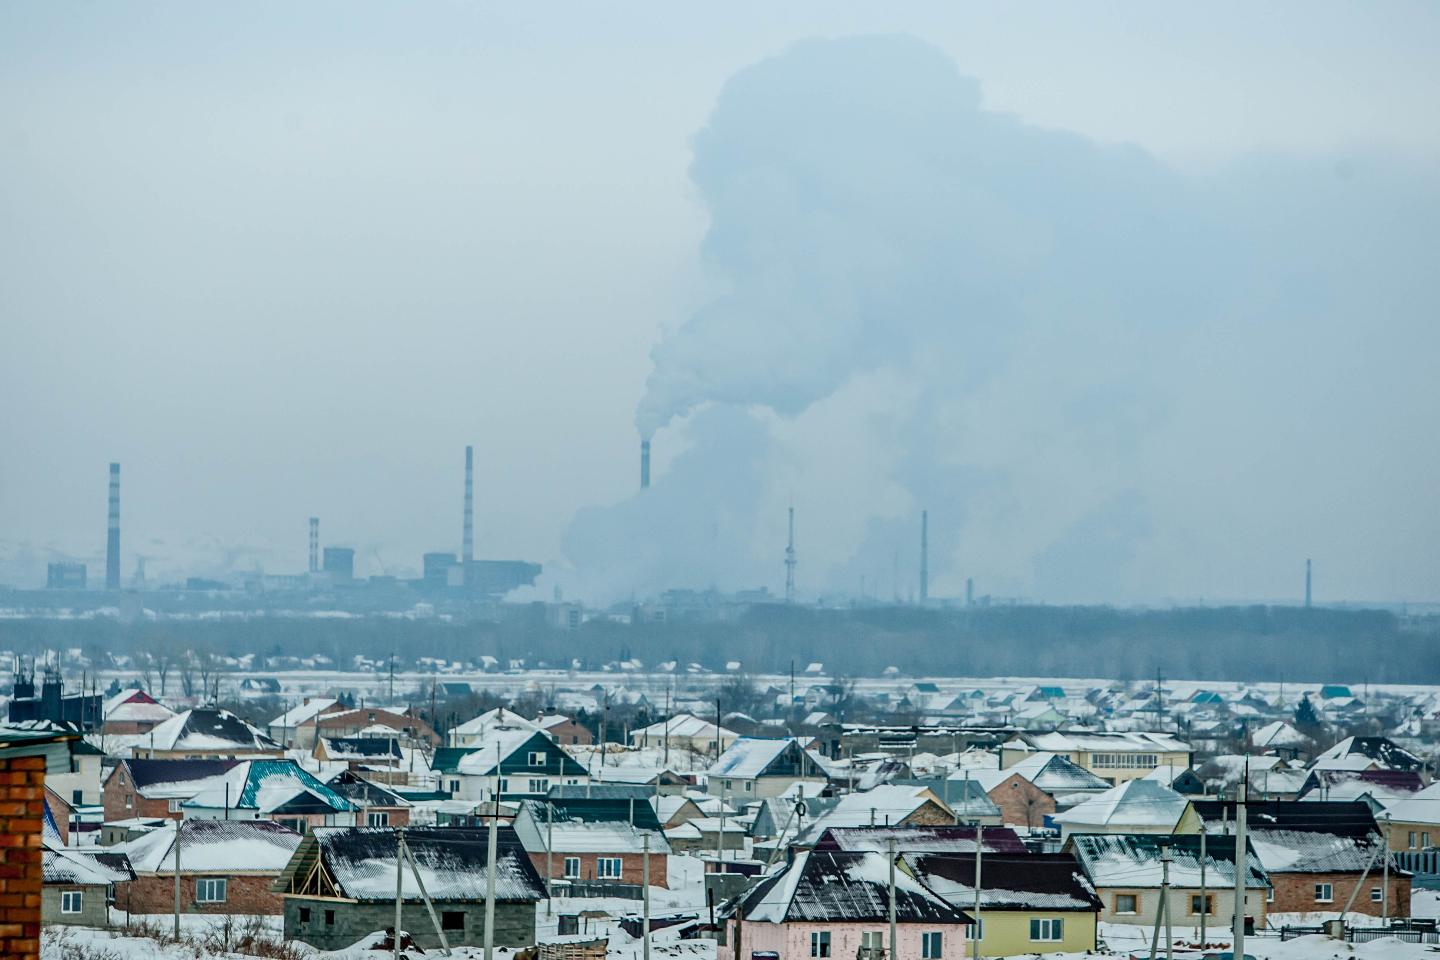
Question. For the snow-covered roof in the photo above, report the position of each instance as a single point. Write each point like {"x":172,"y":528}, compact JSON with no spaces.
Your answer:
{"x":1108,"y":741}
{"x":1133,"y":860}
{"x":231,"y":846}
{"x":135,"y":706}
{"x":174,"y":779}
{"x":304,"y":712}
{"x":750,"y":757}
{"x":207,"y":728}
{"x":266,"y":786}
{"x":84,"y":867}
{"x":492,"y":720}
{"x":838,"y":887}
{"x":921,"y":839}
{"x":885,"y":805}
{"x":1278,"y":734}
{"x":1421,"y":807}
{"x":1057,"y":775}
{"x":1036,"y":881}
{"x":1137,"y":803}
{"x":452,"y":862}
{"x":683,"y":725}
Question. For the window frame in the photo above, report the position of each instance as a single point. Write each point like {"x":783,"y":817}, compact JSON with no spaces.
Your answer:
{"x":377,"y":818}
{"x":972,"y":934}
{"x":1328,"y":890}
{"x":603,"y":866}
{"x":1377,"y":894}
{"x":530,"y":760}
{"x":447,"y":921}
{"x":1209,"y":904}
{"x":77,"y":897}
{"x":1050,"y":929}
{"x":565,"y":870}
{"x":1134,"y":910}
{"x":820,"y":943}
{"x":210,"y":885}
{"x":932,"y":945}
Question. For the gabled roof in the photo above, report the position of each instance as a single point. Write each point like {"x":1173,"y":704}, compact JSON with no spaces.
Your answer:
{"x":563,"y":833}
{"x":207,"y":728}
{"x":968,"y":799}
{"x":683,"y":725}
{"x":882,"y":806}
{"x":63,"y":865}
{"x":1136,"y":803}
{"x":507,"y":744}
{"x":1133,"y":860}
{"x":751,"y":757}
{"x":1055,"y":774}
{"x":1382,"y":750}
{"x":135,"y":706}
{"x":1382,"y":785}
{"x":231,"y":846}
{"x":173,"y":779}
{"x":452,"y":860}
{"x":267,"y":786}
{"x":493,"y":720}
{"x":371,"y":749}
{"x":600,"y":810}
{"x":927,"y":839}
{"x":1035,"y":881}
{"x":304,"y":712}
{"x":1107,"y":741}
{"x":364,"y":793}
{"x":1278,"y":734}
{"x":837,"y":887}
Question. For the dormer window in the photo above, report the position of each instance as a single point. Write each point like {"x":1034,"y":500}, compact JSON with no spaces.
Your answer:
{"x":537,"y":758}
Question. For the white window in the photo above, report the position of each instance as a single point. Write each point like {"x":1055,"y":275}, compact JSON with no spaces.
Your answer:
{"x":930,"y":945}
{"x":1412,"y":839}
{"x":538,"y":785}
{"x":537,"y":758}
{"x":1324,"y":893}
{"x":1047,"y":929}
{"x":1269,"y":895}
{"x":72,"y":901}
{"x":1376,"y":895}
{"x":454,"y":786}
{"x":975,"y":931}
{"x":872,"y":940}
{"x":174,"y":805}
{"x":749,"y":785}
{"x":374,"y":818}
{"x":210,"y":890}
{"x":1425,"y":839}
{"x":127,"y":801}
{"x":820,"y":944}
{"x":608,"y":868}
{"x":1125,"y":903}
{"x":572,"y":868}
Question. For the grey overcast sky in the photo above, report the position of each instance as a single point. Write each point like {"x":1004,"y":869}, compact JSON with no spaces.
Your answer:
{"x":288,"y":259}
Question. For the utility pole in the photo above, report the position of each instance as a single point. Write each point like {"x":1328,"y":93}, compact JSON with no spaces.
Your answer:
{"x":179,"y":824}
{"x":645,"y":882}
{"x":490,"y":864}
{"x":549,"y":854}
{"x":1241,"y":869}
{"x":392,"y":677}
{"x":979,"y":856}
{"x":1165,"y":892}
{"x":890,"y":853}
{"x":399,"y":887}
{"x":1204,"y":895}
{"x":1385,"y":884}
{"x":669,"y":685}
{"x":720,"y":834}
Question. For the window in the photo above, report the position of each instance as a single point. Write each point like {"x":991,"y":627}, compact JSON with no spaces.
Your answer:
{"x":820,"y":944}
{"x":1269,"y":895}
{"x":210,"y":890}
{"x":122,"y":778}
{"x":727,"y":785}
{"x":1376,"y":895}
{"x":452,"y":920}
{"x":1125,"y":903}
{"x":377,"y":818}
{"x":972,"y":933}
{"x":72,"y":901}
{"x":1425,"y":839}
{"x":608,"y":868}
{"x":930,"y":945}
{"x":1199,"y":906}
{"x":872,"y":940}
{"x":538,"y":785}
{"x":77,"y":796}
{"x":504,"y":784}
{"x":1412,"y":837}
{"x":127,"y":802}
{"x":572,"y":868}
{"x":174,"y":805}
{"x":1324,"y":893}
{"x":537,"y":758}
{"x":329,"y":918}
{"x":304,"y":914}
{"x":454,"y":786}
{"x":1049,"y":928}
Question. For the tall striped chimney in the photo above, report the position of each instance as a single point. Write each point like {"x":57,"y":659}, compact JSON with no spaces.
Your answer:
{"x":314,"y":544}
{"x":644,"y":464}
{"x":112,"y":533}
{"x":467,"y":546}
{"x":924,"y":555}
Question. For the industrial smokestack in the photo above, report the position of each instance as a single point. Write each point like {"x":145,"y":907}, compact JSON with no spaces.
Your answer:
{"x":1307,"y":582}
{"x":467,"y":545}
{"x":112,"y":536}
{"x":314,"y":544}
{"x":924,"y":555}
{"x":969,"y":591}
{"x":790,"y":561}
{"x":644,"y":464}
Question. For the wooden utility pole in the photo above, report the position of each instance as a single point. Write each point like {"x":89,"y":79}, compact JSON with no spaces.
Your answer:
{"x":979,"y":853}
{"x":890,"y":854}
{"x":490,"y":864}
{"x":1204,"y":895}
{"x":1241,"y":869}
{"x":179,"y":825}
{"x":399,"y":888}
{"x":645,"y":881}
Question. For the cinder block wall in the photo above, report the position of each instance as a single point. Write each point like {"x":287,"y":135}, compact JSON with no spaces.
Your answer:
{"x":22,"y":816}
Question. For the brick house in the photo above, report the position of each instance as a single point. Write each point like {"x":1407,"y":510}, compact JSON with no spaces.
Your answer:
{"x":340,"y":886}
{"x":887,"y":805}
{"x":279,"y":790}
{"x":25,"y":758}
{"x":156,"y":788}
{"x":596,"y":840}
{"x":566,"y":731}
{"x":355,"y":723}
{"x":131,"y":712}
{"x":226,"y":867}
{"x":1021,"y":802}
{"x":376,"y":805}
{"x":1316,"y":852}
{"x":205,"y":733}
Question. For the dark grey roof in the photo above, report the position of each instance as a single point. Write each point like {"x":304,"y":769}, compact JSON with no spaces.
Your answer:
{"x":836,"y":887}
{"x":145,"y":773}
{"x":1037,"y":881}
{"x":452,"y":860}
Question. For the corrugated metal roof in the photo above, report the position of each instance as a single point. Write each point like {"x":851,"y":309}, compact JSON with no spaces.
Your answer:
{"x":452,"y":862}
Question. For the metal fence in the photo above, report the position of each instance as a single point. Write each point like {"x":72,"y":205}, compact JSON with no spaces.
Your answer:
{"x":598,"y":888}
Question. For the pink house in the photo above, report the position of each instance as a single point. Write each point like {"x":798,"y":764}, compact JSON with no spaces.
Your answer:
{"x":836,"y":904}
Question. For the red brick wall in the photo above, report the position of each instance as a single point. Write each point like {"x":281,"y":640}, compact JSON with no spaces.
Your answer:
{"x":1022,"y":803}
{"x":1295,"y":893}
{"x":113,"y":795}
{"x":632,"y":867}
{"x":570,"y":732}
{"x":156,"y":894}
{"x":22,"y":817}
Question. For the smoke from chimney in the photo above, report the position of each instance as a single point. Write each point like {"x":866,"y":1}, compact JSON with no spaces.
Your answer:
{"x":644,"y":464}
{"x":467,"y":547}
{"x":112,"y":536}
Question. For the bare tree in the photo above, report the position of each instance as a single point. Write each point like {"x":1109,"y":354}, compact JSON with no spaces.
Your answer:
{"x":186,"y":664}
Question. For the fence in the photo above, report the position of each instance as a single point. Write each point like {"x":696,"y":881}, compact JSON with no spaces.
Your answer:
{"x":1402,"y":930}
{"x":597,"y":888}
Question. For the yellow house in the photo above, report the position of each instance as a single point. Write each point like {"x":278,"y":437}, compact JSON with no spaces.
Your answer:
{"x":1115,"y":756}
{"x":1413,"y":823}
{"x":1036,"y":903}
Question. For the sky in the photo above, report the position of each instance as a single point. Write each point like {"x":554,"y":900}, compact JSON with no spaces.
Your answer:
{"x":1137,"y":301}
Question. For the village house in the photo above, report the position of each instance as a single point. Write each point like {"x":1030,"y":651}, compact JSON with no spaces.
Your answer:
{"x":1126,"y":872}
{"x":1020,"y":802}
{"x":593,"y":840}
{"x":753,"y":767}
{"x":685,"y":732}
{"x":835,"y":904}
{"x":1315,"y":854}
{"x":132,"y":712}
{"x":373,"y":722}
{"x":359,"y":753}
{"x":565,"y":731}
{"x":1028,"y":904}
{"x":921,"y":839}
{"x":1414,"y":823}
{"x":205,"y":733}
{"x":340,"y":886}
{"x":1136,"y":806}
{"x":279,"y":790}
{"x":80,"y":785}
{"x":887,"y":805}
{"x":155,"y":789}
{"x":79,"y":885}
{"x":1110,"y":755}
{"x":1384,"y":752}
{"x":376,"y":805}
{"x":476,"y":730}
{"x":226,"y":867}
{"x":296,"y":726}
{"x":523,"y":763}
